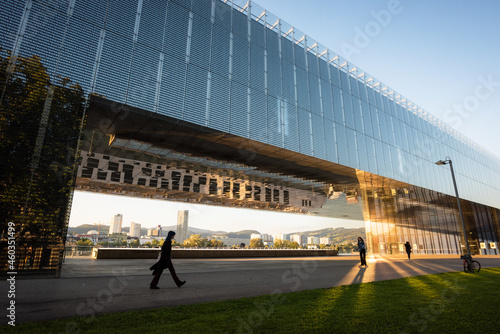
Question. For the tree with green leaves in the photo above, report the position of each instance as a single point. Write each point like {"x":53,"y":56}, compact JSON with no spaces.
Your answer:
{"x":256,"y":243}
{"x":84,"y":242}
{"x":40,"y":122}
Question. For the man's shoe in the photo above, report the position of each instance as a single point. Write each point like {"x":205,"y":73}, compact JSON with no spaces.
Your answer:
{"x":154,"y":287}
{"x":181,"y":284}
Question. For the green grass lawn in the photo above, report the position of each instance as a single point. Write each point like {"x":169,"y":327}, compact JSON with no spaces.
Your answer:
{"x":441,"y":303}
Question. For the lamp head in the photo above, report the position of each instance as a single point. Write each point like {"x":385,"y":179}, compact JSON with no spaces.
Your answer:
{"x":442,"y":162}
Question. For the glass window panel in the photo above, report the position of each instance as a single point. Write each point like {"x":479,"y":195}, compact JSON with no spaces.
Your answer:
{"x":288,"y":82}
{"x":222,"y":14}
{"x":330,"y":141}
{"x":120,"y":17}
{"x":302,"y":88}
{"x":143,"y":78}
{"x":342,"y":144}
{"x":81,"y":41}
{"x":338,"y":111}
{"x":354,"y":86}
{"x":41,"y":38}
{"x":390,"y":130}
{"x":150,"y":30}
{"x":290,"y":127}
{"x":348,"y":113}
{"x":257,"y":67}
{"x":240,"y":23}
{"x":300,"y":57}
{"x":383,"y":126}
{"x":200,"y":42}
{"x":371,"y":96}
{"x":324,"y":73}
{"x":367,"y":118}
{"x":378,"y":98}
{"x":240,"y":60}
{"x":312,"y":64}
{"x":176,"y":29}
{"x":274,"y":131}
{"x":352,"y":150}
{"x":334,"y":72}
{"x":218,"y":117}
{"x":371,"y":154}
{"x":196,"y":95}
{"x":258,"y":116}
{"x":362,"y":151}
{"x":379,"y":151}
{"x":344,"y":82}
{"x":377,"y":134}
{"x":388,"y":159}
{"x":172,"y":87}
{"x":220,"y":51}
{"x":363,"y":94}
{"x":203,"y":8}
{"x":273,"y":64}
{"x":314,"y":94}
{"x":239,"y":110}
{"x":257,"y":34}
{"x":318,"y":135}
{"x":114,"y":67}
{"x":304,"y":132}
{"x":358,"y":118}
{"x":90,"y":11}
{"x":326,"y":95}
{"x":287,"y":49}
{"x":183,"y":3}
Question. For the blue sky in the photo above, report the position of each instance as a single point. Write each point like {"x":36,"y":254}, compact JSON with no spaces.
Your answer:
{"x":442,"y":55}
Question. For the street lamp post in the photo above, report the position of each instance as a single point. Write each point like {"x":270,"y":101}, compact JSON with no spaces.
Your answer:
{"x":445,"y":162}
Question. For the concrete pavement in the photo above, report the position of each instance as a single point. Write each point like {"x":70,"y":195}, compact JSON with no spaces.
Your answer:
{"x":88,"y":287}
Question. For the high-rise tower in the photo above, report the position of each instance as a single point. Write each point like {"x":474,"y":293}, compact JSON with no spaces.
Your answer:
{"x":182,"y":226}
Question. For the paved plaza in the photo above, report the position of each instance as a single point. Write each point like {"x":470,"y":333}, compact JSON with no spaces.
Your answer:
{"x":88,"y":287}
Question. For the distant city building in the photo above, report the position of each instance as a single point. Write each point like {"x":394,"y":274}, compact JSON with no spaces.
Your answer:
{"x":312,"y":240}
{"x":255,"y":236}
{"x":325,"y":241}
{"x":92,"y":232}
{"x":135,"y":230}
{"x":182,"y":226}
{"x":298,"y":238}
{"x":153,"y":232}
{"x":116,"y":224}
{"x":281,"y":236}
{"x":267,"y":237}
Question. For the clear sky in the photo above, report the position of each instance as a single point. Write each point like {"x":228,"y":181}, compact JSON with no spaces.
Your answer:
{"x":442,"y":55}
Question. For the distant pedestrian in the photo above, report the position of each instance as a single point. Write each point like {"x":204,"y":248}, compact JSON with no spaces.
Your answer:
{"x":165,"y":262}
{"x":408,"y":249}
{"x":362,"y":251}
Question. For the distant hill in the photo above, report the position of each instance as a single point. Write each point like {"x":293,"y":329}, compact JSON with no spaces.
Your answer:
{"x":337,"y":235}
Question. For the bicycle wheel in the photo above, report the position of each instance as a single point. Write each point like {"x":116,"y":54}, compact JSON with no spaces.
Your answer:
{"x":476,"y":266}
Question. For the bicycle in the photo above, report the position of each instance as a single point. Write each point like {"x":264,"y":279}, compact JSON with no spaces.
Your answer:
{"x":470,"y":266}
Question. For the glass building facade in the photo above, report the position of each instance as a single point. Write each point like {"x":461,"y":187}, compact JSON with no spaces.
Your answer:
{"x":219,"y":102}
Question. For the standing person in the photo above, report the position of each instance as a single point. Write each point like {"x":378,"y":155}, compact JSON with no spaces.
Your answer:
{"x":165,"y":262}
{"x":362,"y":251}
{"x":408,"y":249}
